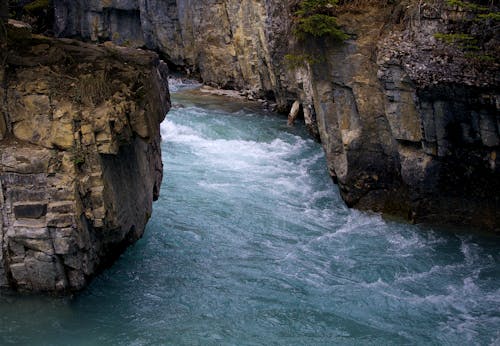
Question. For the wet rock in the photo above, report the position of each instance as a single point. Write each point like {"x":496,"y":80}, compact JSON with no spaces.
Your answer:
{"x":294,"y":113}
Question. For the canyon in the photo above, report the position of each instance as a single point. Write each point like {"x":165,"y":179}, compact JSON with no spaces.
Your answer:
{"x":409,"y":123}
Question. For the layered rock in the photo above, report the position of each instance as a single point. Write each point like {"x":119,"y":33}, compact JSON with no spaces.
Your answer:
{"x":409,"y":123}
{"x":80,"y":159}
{"x":225,"y":42}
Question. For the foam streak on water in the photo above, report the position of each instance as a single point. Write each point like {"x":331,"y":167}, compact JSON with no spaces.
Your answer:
{"x":250,"y":244}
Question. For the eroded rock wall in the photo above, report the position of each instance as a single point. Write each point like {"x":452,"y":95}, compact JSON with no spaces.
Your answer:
{"x":225,"y":42}
{"x":409,"y":123}
{"x":80,"y":159}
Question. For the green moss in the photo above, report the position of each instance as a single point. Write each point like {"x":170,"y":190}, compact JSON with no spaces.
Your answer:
{"x":78,"y":160}
{"x":78,"y":155}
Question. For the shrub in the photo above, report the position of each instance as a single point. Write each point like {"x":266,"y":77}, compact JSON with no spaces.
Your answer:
{"x":459,"y":38}
{"x":315,"y":18}
{"x":295,"y":61}
{"x":319,"y":25}
{"x":467,"y":37}
{"x":466,"y":5}
{"x":489,"y":16}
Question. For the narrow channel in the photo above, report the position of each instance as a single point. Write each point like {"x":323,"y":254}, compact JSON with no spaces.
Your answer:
{"x":250,"y":244}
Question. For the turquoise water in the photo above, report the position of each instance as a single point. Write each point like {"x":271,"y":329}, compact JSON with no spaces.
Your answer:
{"x":250,"y":244}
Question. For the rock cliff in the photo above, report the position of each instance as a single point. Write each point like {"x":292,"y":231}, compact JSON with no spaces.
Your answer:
{"x":225,"y":42}
{"x":410,"y":124}
{"x":80,"y":159}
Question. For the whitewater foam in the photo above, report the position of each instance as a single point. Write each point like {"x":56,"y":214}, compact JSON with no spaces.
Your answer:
{"x":261,"y":192}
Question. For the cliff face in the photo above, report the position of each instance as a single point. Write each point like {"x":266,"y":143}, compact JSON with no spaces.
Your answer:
{"x":80,"y":159}
{"x":409,"y":124}
{"x":224,"y":41}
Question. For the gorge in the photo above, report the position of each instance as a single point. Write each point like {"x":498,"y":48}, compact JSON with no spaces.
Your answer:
{"x":409,"y":123}
{"x":250,"y":242}
{"x":407,"y":117}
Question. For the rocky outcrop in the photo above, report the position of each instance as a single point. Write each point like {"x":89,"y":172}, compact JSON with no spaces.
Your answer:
{"x":225,"y":42}
{"x":409,"y":123}
{"x":80,"y":159}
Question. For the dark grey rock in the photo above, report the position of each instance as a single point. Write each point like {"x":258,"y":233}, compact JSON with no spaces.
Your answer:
{"x":30,"y":211}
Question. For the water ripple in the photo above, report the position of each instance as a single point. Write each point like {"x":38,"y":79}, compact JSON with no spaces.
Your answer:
{"x":250,"y":244}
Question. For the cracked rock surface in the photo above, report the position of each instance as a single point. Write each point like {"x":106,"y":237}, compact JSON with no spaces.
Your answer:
{"x":80,"y":159}
{"x":409,"y":123}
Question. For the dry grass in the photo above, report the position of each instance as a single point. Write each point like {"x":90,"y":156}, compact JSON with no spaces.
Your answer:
{"x":92,"y":89}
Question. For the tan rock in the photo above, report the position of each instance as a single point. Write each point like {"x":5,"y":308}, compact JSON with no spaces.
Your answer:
{"x":59,"y":187}
{"x":62,"y":135}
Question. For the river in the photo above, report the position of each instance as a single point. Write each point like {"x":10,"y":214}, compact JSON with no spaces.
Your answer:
{"x":250,"y":244}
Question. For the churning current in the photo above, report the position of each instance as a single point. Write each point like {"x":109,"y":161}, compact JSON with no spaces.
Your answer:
{"x":250,"y":244}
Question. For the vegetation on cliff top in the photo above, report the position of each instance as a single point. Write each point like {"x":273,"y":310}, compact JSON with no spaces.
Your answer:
{"x":315,"y":18}
{"x":467,"y":32}
{"x":38,"y":5}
